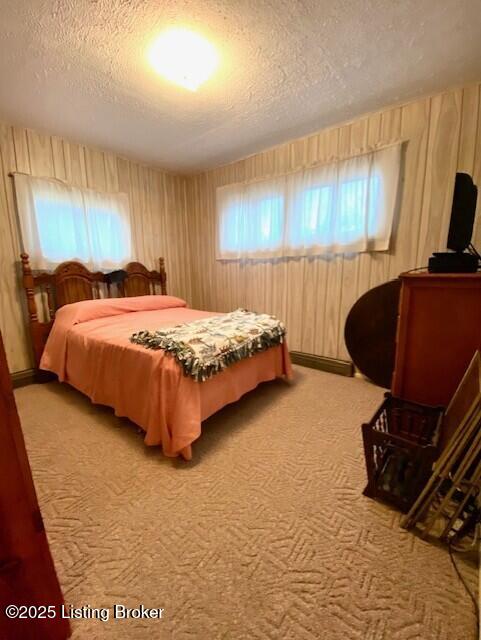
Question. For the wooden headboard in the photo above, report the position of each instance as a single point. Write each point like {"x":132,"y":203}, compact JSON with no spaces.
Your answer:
{"x":73,"y":282}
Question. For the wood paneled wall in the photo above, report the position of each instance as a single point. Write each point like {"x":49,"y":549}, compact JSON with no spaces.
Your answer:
{"x":157,"y":203}
{"x":314,"y":295}
{"x":174,"y":216}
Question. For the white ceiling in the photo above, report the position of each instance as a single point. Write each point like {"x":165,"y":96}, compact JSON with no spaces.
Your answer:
{"x":77,"y":68}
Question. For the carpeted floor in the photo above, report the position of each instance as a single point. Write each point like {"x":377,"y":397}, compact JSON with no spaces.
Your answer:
{"x":264,"y":535}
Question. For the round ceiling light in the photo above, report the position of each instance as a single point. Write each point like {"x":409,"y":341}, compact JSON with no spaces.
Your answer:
{"x":183,"y":57}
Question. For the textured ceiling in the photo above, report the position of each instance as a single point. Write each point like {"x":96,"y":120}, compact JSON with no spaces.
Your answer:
{"x":77,"y":68}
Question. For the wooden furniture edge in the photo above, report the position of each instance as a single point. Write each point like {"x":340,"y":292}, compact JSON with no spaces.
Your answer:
{"x":401,"y":336}
{"x":27,"y":571}
{"x":423,"y":275}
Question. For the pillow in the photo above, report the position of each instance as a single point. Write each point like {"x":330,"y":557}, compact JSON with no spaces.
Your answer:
{"x":86,"y":310}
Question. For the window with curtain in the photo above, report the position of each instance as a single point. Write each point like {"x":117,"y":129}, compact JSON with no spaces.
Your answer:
{"x":59,"y":222}
{"x":341,"y":207}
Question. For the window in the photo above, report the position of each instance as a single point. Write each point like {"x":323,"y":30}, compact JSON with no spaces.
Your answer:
{"x":341,"y":207}
{"x":256,"y":224}
{"x":60,"y":222}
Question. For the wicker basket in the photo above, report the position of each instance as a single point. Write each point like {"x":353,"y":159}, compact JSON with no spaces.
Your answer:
{"x":400,"y":447}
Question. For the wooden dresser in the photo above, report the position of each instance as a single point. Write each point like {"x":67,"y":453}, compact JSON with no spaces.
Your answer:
{"x":439,"y":329}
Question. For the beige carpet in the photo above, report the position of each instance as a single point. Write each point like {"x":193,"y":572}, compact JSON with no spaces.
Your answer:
{"x":264,"y":535}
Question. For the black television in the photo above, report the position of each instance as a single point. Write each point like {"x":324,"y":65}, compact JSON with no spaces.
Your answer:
{"x":462,"y":213}
{"x":460,"y":232}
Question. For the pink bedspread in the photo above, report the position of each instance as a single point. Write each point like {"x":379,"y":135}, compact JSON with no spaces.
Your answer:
{"x":89,"y":348}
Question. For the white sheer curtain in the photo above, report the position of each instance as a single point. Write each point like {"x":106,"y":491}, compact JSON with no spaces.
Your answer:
{"x":59,"y":222}
{"x":341,"y":207}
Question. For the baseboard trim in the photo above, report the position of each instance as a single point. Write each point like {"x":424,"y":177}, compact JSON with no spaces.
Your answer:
{"x":332,"y":365}
{"x":22,"y":378}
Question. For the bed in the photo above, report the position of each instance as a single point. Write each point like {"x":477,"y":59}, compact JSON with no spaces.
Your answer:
{"x":84,"y":338}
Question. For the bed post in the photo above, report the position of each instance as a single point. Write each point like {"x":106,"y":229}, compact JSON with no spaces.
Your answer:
{"x":38,"y":330}
{"x":28,"y":284}
{"x":163,"y":277}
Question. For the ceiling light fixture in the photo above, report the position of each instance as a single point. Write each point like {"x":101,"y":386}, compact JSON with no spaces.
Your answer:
{"x":183,"y":57}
